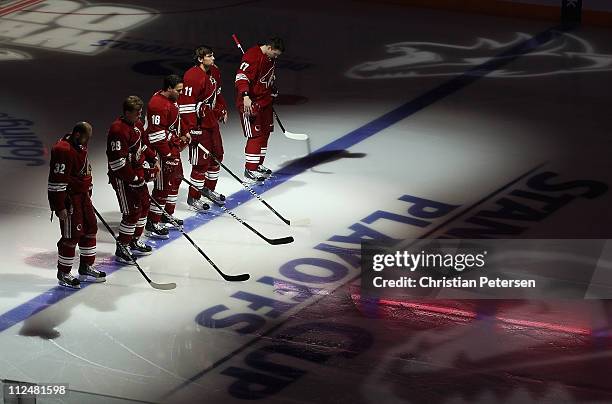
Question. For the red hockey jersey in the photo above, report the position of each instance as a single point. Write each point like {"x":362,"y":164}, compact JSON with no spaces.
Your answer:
{"x":162,"y":126}
{"x":255,"y":76}
{"x":69,"y":174}
{"x":201,"y":103}
{"x":126,"y":152}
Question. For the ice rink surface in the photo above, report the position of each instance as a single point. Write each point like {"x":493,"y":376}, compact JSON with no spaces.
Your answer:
{"x":401,"y":105}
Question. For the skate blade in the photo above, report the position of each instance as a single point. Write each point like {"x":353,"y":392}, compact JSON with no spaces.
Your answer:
{"x":66,"y":285}
{"x":220,"y":203}
{"x":124,"y":262}
{"x":253,"y":182}
{"x":91,"y":279}
{"x":159,"y":236}
{"x":137,"y":253}
{"x":198,"y":210}
{"x":170,"y":226}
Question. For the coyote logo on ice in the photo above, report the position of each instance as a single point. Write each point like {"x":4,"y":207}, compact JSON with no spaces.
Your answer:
{"x":430,"y":59}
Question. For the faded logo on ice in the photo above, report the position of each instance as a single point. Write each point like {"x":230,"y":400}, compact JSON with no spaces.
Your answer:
{"x":68,"y":25}
{"x":430,"y":59}
{"x":19,"y":142}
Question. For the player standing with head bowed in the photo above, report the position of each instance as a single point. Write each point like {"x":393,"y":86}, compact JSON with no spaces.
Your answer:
{"x":127,"y":157}
{"x":162,"y":128}
{"x":69,"y":192}
{"x":254,"y":96}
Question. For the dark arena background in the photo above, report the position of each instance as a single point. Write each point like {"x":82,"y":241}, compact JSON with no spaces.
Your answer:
{"x":425,"y":121}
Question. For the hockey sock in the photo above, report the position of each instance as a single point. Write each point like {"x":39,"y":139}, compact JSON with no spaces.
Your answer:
{"x":212,"y":175}
{"x":126,"y":229}
{"x":87,"y":249}
{"x":197,"y":179}
{"x":155,"y":213}
{"x":140,"y":225}
{"x":171,"y":203}
{"x":65,"y":255}
{"x":252,"y":152}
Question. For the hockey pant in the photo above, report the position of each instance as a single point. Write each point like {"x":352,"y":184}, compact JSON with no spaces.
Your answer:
{"x":134,"y":205}
{"x":165,"y":189}
{"x":204,"y":170}
{"x":257,"y":130}
{"x":79,"y":228}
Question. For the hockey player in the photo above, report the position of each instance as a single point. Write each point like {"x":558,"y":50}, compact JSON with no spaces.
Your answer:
{"x":202,"y":108}
{"x":69,"y":189}
{"x":127,"y":156}
{"x":254,"y":96}
{"x":162,"y":135}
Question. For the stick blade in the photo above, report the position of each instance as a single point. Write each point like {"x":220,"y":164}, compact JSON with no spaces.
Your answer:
{"x":283,"y":240}
{"x":236,"y":278}
{"x":296,"y":136}
{"x":163,"y":286}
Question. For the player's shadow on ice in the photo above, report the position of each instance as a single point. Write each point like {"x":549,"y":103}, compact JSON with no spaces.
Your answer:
{"x":54,"y":307}
{"x":312,"y":160}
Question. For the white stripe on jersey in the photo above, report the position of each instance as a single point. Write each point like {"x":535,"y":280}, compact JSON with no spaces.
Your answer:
{"x":157,"y":136}
{"x":117,"y":164}
{"x":57,"y":186}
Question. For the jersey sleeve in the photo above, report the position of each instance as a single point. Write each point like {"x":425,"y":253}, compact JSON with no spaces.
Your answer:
{"x":187,"y":106}
{"x":149,"y":154}
{"x":220,"y":106}
{"x":59,"y":178}
{"x":117,"y":151}
{"x":247,"y":72}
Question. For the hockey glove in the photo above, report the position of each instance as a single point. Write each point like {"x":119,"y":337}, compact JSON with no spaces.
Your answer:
{"x":138,"y":179}
{"x":171,"y":164}
{"x":255,"y":107}
{"x":150,"y":173}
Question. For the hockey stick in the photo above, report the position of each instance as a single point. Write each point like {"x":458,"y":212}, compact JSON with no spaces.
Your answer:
{"x":230,"y":278}
{"x":273,"y":241}
{"x":289,"y":135}
{"x":302,"y":222}
{"x":162,"y":286}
